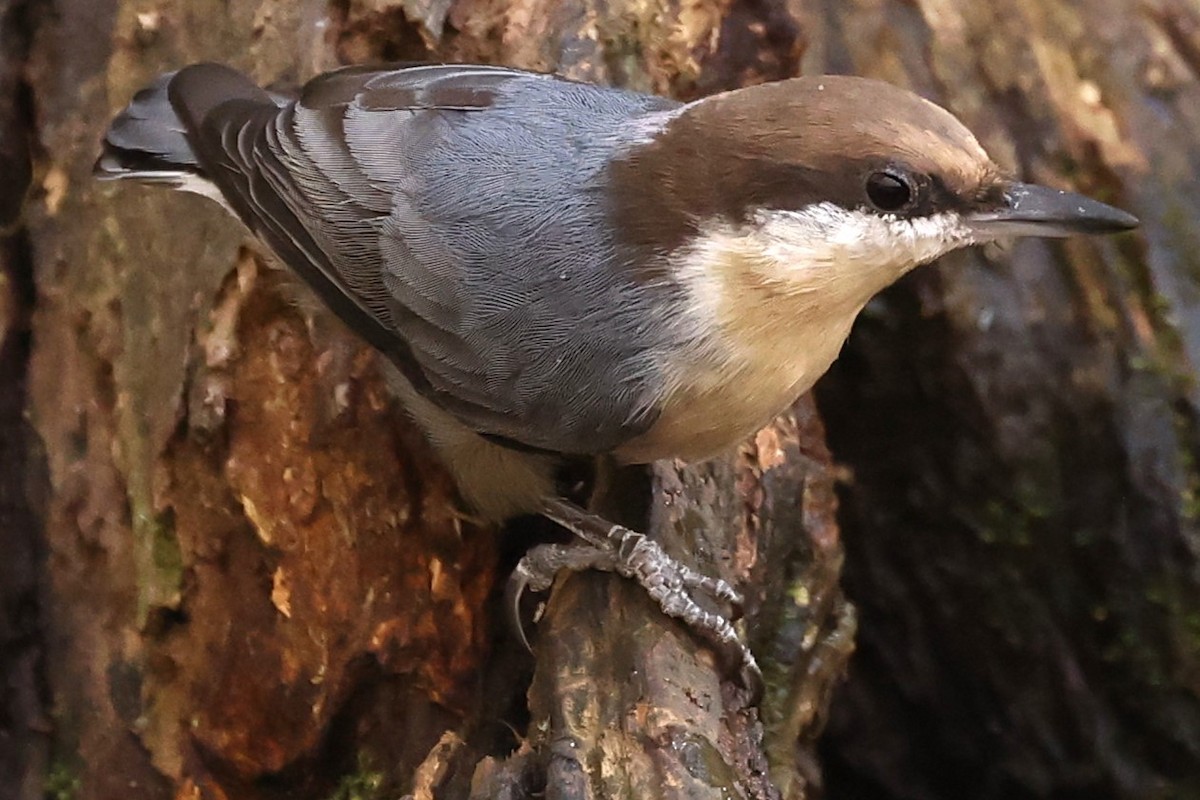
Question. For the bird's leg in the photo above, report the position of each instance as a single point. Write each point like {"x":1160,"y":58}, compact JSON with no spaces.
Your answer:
{"x":615,"y":548}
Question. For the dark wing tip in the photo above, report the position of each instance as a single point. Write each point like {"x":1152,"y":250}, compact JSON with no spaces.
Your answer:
{"x":199,"y":88}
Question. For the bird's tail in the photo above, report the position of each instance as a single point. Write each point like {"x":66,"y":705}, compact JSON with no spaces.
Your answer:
{"x":148,"y":142}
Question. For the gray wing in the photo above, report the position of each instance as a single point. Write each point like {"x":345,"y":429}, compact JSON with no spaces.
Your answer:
{"x":454,"y":216}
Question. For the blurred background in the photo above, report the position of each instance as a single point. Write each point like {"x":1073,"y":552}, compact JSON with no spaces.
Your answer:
{"x":229,"y":568}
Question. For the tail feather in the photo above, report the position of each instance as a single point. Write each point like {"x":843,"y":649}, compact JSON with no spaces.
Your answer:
{"x":147,"y":141}
{"x":150,"y":140}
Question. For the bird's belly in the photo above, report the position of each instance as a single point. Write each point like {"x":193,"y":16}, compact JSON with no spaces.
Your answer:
{"x":720,"y":403}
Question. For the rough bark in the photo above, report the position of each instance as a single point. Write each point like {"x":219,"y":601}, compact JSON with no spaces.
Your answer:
{"x":254,"y":581}
{"x":24,"y":726}
{"x":258,"y":585}
{"x":1022,"y":433}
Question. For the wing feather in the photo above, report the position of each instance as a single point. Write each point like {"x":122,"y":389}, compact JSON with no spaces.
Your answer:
{"x":446,"y":224}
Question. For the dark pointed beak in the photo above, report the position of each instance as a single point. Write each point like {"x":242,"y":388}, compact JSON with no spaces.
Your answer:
{"x":1031,"y":210}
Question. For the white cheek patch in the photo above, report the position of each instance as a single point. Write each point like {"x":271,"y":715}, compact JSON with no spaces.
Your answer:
{"x":828,"y":237}
{"x":797,"y":279}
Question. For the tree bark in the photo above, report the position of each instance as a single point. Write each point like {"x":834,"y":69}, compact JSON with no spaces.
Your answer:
{"x":1021,"y":427}
{"x":24,"y":726}
{"x":243,"y":573}
{"x":258,"y":585}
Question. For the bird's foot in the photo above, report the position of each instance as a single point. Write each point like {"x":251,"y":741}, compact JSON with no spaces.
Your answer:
{"x":671,"y":584}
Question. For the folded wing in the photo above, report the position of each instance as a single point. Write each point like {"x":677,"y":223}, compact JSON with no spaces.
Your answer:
{"x":455,"y":217}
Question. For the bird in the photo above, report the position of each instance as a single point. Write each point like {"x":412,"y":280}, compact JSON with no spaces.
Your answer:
{"x":559,"y":273}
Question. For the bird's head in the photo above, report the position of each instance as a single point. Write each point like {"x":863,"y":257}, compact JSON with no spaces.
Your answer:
{"x":838,"y":180}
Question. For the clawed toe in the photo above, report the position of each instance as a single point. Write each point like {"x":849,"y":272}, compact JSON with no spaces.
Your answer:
{"x":671,"y":584}
{"x":536,"y":570}
{"x":518,"y":582}
{"x":751,"y":678}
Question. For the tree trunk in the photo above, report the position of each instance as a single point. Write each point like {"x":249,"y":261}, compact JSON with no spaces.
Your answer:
{"x":1021,"y":527}
{"x":235,"y":570}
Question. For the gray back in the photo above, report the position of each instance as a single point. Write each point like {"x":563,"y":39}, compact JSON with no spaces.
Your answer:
{"x":459,"y":214}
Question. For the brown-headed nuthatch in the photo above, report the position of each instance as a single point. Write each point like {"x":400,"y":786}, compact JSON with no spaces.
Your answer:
{"x":560,"y":271}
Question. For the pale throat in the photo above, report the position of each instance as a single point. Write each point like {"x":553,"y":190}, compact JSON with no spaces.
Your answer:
{"x":770,"y":304}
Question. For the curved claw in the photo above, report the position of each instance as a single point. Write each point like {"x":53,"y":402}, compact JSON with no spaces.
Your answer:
{"x":751,"y":678}
{"x":737,"y":608}
{"x":514,"y":590}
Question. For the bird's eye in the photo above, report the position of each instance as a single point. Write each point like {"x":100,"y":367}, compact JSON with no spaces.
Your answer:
{"x":889,"y":191}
